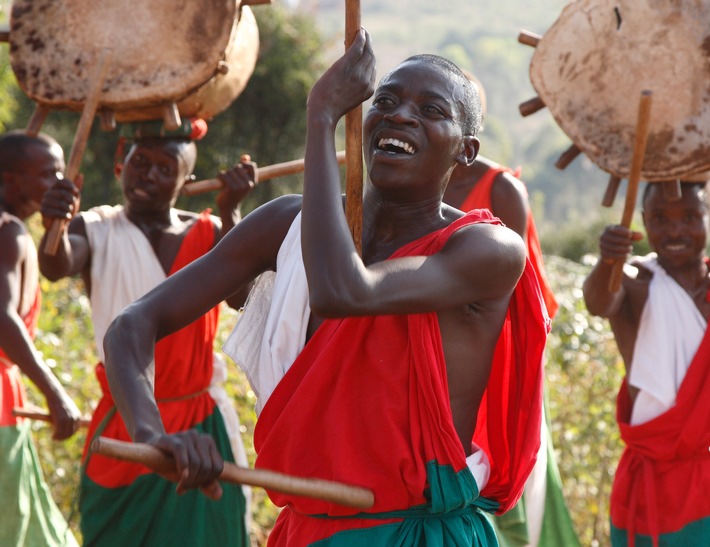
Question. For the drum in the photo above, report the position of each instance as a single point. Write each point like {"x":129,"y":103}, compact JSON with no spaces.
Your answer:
{"x":590,"y":68}
{"x":198,"y":55}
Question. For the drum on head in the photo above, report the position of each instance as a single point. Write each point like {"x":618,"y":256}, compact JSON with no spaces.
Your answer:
{"x":162,"y":51}
{"x":592,"y":64}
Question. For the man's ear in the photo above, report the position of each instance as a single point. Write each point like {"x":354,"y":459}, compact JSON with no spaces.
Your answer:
{"x":469,"y":150}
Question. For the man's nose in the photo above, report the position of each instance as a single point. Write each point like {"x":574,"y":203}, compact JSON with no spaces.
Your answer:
{"x":402,"y":114}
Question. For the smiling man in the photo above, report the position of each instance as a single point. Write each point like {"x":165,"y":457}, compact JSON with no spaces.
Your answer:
{"x":659,"y":319}
{"x":121,"y":252}
{"x":372,"y":370}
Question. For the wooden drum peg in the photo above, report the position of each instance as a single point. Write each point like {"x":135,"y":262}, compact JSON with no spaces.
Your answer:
{"x":108,"y":120}
{"x":531,"y":106}
{"x":567,"y":157}
{"x":612,"y":187}
{"x":171,"y":116}
{"x":529,"y":38}
{"x":671,"y":190}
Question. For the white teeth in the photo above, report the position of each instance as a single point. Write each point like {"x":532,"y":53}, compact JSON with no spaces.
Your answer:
{"x":408,"y":148}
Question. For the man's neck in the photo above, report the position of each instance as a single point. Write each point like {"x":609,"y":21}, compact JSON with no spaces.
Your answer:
{"x":389,"y":225}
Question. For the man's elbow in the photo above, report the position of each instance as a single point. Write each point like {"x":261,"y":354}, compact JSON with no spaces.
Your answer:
{"x":331,"y":302}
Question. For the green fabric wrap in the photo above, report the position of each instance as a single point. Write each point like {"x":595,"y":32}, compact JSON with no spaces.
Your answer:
{"x":29,"y":516}
{"x":452,"y":518}
{"x":149,"y":512}
{"x":695,"y":534}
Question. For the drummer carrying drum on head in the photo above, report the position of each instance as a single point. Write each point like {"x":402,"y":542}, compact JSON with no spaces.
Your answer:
{"x":121,"y":252}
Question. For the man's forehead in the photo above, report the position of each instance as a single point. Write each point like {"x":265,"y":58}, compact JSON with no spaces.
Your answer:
{"x":690,"y":194}
{"x":425,"y":73}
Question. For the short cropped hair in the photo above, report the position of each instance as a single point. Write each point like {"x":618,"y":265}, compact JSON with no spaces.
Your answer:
{"x":14,"y":145}
{"x":472,"y":115}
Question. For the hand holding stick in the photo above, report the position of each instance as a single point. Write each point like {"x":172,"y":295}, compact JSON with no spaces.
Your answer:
{"x":41,"y":415}
{"x":642,"y":123}
{"x":78,"y":146}
{"x":262,"y":174}
{"x":150,"y":456}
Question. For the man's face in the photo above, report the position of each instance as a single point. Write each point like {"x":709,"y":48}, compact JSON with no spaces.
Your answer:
{"x":676,"y":230}
{"x":41,"y":167}
{"x":413,"y":130}
{"x":153,"y":175}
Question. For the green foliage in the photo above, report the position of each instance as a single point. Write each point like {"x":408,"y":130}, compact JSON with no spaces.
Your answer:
{"x":583,"y":374}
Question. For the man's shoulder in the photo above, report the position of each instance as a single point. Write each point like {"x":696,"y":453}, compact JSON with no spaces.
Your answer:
{"x":101,"y":213}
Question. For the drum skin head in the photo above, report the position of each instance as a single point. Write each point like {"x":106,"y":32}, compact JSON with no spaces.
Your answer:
{"x":161,"y":50}
{"x":591,"y":66}
{"x":221,"y":90}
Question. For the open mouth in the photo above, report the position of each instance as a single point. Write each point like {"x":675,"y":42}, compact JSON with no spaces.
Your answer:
{"x":675,"y":247}
{"x":395,"y":146}
{"x":141,"y":194}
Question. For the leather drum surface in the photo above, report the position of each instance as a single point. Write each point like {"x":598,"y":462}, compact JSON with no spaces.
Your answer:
{"x":591,"y":66}
{"x":161,"y":50}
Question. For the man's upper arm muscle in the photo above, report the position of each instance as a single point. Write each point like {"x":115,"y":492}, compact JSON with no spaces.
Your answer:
{"x":479,"y":263}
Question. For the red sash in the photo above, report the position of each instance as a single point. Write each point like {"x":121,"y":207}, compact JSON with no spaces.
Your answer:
{"x":366,"y":402}
{"x":480,"y":198}
{"x":663,"y":478}
{"x":183,"y":370}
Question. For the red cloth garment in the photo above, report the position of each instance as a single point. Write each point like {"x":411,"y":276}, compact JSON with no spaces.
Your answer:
{"x":12,"y":390}
{"x":367,"y":403}
{"x":480,"y":198}
{"x":663,"y":478}
{"x":183,"y":370}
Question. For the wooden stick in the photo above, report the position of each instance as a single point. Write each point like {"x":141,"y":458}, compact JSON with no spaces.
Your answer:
{"x":642,"y":124}
{"x":34,"y":125}
{"x":353,"y":140}
{"x":150,"y":456}
{"x":41,"y":415}
{"x":56,"y":230}
{"x":263,"y":173}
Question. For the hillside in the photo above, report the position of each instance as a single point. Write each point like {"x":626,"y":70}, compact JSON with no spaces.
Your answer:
{"x":482,"y":37}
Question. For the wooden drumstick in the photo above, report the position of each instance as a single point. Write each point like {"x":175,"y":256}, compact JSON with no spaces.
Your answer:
{"x":150,"y":456}
{"x":353,"y":140}
{"x":41,"y":415}
{"x":642,"y":124}
{"x":56,"y":230}
{"x":262,"y":173}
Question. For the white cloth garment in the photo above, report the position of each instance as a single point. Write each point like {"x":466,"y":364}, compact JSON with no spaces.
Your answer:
{"x":670,"y":331}
{"x":124,"y":267}
{"x":272,"y":330}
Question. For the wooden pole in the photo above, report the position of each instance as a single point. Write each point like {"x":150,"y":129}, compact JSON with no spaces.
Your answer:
{"x":642,"y":123}
{"x":150,"y":456}
{"x":262,"y":173}
{"x":56,"y":230}
{"x":353,"y":140}
{"x":41,"y":415}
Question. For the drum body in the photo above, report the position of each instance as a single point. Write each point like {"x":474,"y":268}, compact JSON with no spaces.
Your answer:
{"x":199,"y":55}
{"x":591,"y":66}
